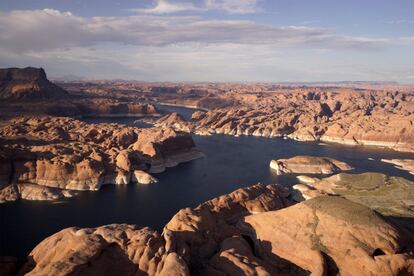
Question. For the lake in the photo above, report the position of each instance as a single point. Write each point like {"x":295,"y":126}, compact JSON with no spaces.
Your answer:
{"x":230,"y":163}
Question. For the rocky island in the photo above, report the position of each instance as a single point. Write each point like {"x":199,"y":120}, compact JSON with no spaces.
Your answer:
{"x":309,"y":165}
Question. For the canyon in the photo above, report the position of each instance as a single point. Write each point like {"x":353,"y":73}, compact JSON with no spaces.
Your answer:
{"x":316,"y":219}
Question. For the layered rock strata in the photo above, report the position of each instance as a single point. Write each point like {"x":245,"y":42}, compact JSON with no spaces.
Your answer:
{"x":376,"y":118}
{"x":251,"y":231}
{"x":309,"y":165}
{"x":45,"y":157}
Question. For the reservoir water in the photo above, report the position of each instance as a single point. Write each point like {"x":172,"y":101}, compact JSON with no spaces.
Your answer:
{"x":230,"y":163}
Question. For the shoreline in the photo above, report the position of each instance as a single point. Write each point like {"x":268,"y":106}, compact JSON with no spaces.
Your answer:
{"x":184,"y":106}
{"x":121,"y":115}
{"x":328,"y":140}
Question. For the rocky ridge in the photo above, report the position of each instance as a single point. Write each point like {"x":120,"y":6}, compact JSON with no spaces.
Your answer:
{"x":56,"y":155}
{"x":251,"y":231}
{"x":374,"y":118}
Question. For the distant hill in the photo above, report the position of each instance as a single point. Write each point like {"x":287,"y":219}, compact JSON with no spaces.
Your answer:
{"x":28,"y":84}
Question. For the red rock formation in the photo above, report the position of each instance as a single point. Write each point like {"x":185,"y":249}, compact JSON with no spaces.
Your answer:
{"x":251,"y":231}
{"x":67,"y":154}
{"x":309,"y":165}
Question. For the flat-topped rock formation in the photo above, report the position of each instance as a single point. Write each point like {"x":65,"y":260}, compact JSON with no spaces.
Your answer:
{"x":251,"y":231}
{"x":389,"y":195}
{"x":27,"y":91}
{"x":28,"y":84}
{"x":308,"y":165}
{"x":402,"y":164}
{"x":47,"y":157}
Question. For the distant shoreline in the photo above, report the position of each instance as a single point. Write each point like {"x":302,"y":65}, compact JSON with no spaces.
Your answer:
{"x":183,"y":105}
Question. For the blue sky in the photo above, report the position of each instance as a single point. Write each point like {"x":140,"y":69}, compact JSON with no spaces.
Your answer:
{"x":211,"y":40}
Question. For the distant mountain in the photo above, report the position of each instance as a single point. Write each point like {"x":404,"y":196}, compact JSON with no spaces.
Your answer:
{"x":28,"y":84}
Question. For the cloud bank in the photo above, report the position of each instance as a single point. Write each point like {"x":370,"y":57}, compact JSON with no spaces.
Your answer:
{"x":228,"y":6}
{"x":42,"y":30}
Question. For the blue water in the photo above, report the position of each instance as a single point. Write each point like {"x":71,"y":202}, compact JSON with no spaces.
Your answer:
{"x":230,"y":163}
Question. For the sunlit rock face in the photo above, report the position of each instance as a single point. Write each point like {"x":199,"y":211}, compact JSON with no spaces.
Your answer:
{"x":346,"y":116}
{"x":58,"y":154}
{"x":329,"y":235}
{"x":252,"y":231}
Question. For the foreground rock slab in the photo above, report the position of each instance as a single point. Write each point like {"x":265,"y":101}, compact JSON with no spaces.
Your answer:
{"x":251,"y":231}
{"x":309,"y":165}
{"x":116,"y":249}
{"x":332,"y":235}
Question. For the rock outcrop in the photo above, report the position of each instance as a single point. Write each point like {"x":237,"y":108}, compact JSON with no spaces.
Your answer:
{"x":116,"y":249}
{"x":58,"y":154}
{"x":251,"y":231}
{"x":331,"y":235}
{"x":402,"y":164}
{"x":389,"y":195}
{"x":28,"y":84}
{"x":308,"y":165}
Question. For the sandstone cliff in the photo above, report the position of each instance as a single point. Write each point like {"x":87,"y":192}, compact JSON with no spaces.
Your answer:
{"x":58,"y":154}
{"x":375,"y":118}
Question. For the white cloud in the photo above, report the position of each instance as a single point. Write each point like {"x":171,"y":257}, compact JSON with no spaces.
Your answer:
{"x":165,"y":7}
{"x":229,"y":6}
{"x":42,"y":30}
{"x":233,"y":6}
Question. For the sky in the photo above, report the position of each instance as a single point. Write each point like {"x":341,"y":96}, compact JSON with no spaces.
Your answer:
{"x":211,"y":40}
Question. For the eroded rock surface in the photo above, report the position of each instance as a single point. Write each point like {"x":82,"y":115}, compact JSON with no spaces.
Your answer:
{"x":330,"y":235}
{"x":251,"y":231}
{"x":389,"y":195}
{"x":379,"y":118}
{"x":116,"y":249}
{"x":62,"y":154}
{"x":309,"y":165}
